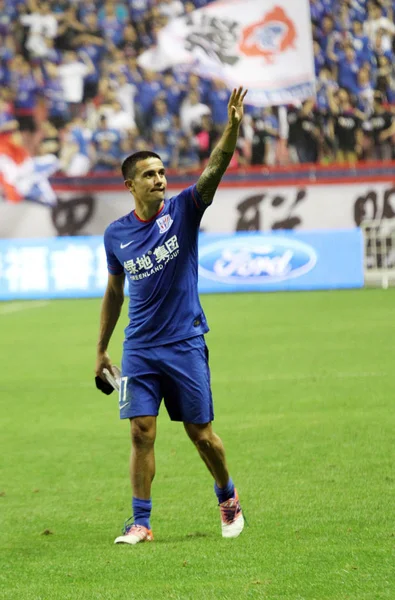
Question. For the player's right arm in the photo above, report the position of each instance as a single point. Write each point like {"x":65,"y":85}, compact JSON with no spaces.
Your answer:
{"x":222,"y":154}
{"x":109,"y":315}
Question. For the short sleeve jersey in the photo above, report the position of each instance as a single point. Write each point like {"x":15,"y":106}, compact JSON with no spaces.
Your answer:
{"x":160,"y":261}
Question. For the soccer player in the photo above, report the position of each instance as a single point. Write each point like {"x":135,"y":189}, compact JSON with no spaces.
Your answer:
{"x":164,"y":354}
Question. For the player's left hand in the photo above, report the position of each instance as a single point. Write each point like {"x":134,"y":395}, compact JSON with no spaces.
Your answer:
{"x":235,"y":106}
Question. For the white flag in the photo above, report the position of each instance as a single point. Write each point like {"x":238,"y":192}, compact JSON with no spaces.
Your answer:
{"x":263,"y":45}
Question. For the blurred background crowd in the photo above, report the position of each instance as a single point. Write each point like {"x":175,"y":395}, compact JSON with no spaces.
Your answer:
{"x":71,"y":86}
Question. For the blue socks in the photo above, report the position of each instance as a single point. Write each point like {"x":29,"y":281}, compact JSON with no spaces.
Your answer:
{"x":225,"y":493}
{"x":141,"y":512}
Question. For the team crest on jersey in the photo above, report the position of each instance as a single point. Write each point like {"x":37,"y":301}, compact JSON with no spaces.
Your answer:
{"x":164,"y":223}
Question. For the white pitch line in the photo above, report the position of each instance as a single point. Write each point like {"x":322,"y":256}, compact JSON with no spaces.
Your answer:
{"x":6,"y":309}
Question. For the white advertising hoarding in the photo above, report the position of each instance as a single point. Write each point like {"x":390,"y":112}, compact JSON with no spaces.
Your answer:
{"x":250,"y":208}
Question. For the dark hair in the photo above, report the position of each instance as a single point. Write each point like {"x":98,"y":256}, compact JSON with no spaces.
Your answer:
{"x":129,"y":164}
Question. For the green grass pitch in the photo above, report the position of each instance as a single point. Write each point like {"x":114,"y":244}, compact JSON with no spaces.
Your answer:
{"x":304,"y":396}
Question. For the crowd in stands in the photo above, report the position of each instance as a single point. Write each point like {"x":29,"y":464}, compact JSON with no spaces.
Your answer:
{"x":71,"y":85}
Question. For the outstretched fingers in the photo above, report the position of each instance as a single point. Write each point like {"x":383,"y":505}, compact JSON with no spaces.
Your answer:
{"x":238,"y":95}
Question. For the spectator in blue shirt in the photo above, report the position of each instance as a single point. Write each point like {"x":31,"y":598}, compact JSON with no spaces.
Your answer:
{"x":8,"y":123}
{"x":57,"y":107}
{"x":107,"y":157}
{"x":365,"y":93}
{"x":120,"y":10}
{"x":26,"y":84}
{"x":317,"y":11}
{"x":147,"y":90}
{"x":111,"y":25}
{"x":325,"y":82}
{"x":162,"y":120}
{"x":6,"y":19}
{"x":138,"y":9}
{"x":103,"y":132}
{"x":173,"y":92}
{"x":348,"y":70}
{"x":218,"y":99}
{"x":185,"y":157}
{"x":201,"y":86}
{"x":86,"y":8}
{"x":319,"y":58}
{"x":161,"y":146}
{"x":361,"y":43}
{"x":326,"y":32}
{"x":343,"y":18}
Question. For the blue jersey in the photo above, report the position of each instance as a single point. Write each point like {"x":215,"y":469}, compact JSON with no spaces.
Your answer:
{"x":160,"y":260}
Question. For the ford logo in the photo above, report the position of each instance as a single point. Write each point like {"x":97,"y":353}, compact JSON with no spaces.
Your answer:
{"x":255,"y":259}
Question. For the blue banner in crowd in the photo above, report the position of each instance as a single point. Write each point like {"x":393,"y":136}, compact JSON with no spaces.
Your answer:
{"x":75,"y":267}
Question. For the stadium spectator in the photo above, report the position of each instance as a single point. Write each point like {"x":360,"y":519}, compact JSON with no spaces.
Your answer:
{"x":42,"y":24}
{"x":76,"y":152}
{"x":69,"y":27}
{"x":107,"y":157}
{"x":173,"y":92}
{"x":365,"y":91}
{"x":160,"y":144}
{"x":57,"y":108}
{"x":147,"y":90}
{"x":26,"y":85}
{"x":348,"y":69}
{"x":217,"y":99}
{"x":265,"y":135}
{"x":50,"y":142}
{"x":347,"y":127}
{"x":119,"y":119}
{"x":65,"y":58}
{"x":8,"y":123}
{"x":105,"y":132}
{"x":205,"y":137}
{"x":112,"y":22}
{"x":191,"y":112}
{"x":118,"y":9}
{"x":162,"y":119}
{"x":125,"y":93}
{"x":307,"y":140}
{"x":185,"y":157}
{"x":294,"y":133}
{"x":361,"y":43}
{"x":171,"y":9}
{"x":130,"y":43}
{"x":72,"y":72}
{"x":319,"y":58}
{"x":381,"y":128}
{"x":376,"y":23}
{"x":90,"y":42}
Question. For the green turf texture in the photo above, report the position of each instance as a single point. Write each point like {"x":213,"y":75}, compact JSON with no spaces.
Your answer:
{"x":304,"y":396}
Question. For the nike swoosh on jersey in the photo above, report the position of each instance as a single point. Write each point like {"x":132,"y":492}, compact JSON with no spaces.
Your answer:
{"x":123,"y":405}
{"x":125,"y":245}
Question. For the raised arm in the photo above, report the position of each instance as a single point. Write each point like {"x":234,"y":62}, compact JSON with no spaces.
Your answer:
{"x":222,"y":153}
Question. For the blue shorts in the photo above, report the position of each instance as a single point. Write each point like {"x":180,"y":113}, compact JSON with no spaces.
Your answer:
{"x":178,"y":372}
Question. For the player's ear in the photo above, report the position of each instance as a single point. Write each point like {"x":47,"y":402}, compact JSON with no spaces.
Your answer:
{"x":129,"y":184}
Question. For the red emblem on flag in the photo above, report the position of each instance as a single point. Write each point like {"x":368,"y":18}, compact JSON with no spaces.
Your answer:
{"x":269,"y":37}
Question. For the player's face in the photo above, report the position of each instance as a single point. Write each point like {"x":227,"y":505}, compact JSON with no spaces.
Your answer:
{"x":149,"y":183}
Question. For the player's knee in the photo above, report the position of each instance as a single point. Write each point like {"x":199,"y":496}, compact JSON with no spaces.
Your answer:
{"x":143,"y":434}
{"x":204,"y":441}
